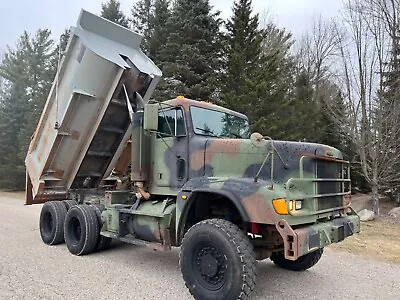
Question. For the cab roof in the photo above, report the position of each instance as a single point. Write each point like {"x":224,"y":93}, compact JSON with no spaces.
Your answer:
{"x":186,"y":103}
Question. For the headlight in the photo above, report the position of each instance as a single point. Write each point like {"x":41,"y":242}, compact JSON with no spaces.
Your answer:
{"x":295,"y":205}
{"x":299,"y":204}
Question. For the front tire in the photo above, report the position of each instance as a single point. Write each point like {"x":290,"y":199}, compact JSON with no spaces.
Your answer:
{"x":217,"y":261}
{"x":301,"y":264}
{"x":51,"y":223}
{"x":81,"y":229}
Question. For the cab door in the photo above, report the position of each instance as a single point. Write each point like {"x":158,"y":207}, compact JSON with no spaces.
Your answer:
{"x":170,"y":151}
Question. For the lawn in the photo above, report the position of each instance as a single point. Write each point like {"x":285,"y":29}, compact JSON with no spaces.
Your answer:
{"x":377,"y":239}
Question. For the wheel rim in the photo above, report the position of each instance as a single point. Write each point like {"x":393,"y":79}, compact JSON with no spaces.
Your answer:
{"x":75,"y":230}
{"x":209,"y":266}
{"x":47,"y":223}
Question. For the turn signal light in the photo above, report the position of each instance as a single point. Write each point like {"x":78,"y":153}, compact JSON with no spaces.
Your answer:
{"x":280,"y":206}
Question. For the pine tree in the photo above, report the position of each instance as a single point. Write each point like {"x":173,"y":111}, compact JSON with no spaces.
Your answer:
{"x":328,"y":131}
{"x":13,"y":116}
{"x":259,"y":73}
{"x":13,"y":113}
{"x":242,"y":51}
{"x":299,"y":123}
{"x":270,"y":105}
{"x":111,"y":10}
{"x":160,"y":31}
{"x":142,"y":19}
{"x":190,"y":58}
{"x":40,"y":77}
{"x":149,"y":18}
{"x":29,"y":71}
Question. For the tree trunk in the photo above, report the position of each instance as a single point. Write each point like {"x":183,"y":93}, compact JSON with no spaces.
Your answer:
{"x":375,"y":199}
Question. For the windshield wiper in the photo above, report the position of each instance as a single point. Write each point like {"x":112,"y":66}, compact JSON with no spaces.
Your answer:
{"x":207,"y":131}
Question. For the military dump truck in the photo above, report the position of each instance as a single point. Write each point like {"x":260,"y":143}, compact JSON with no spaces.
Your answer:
{"x":198,"y":179}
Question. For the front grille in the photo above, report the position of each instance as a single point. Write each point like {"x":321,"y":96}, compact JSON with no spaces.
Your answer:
{"x":325,"y":191}
{"x":329,"y":170}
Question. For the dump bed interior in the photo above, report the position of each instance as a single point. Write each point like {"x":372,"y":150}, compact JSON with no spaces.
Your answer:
{"x":85,"y":124}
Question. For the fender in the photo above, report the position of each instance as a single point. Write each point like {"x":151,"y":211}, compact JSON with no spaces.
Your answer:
{"x":184,"y":206}
{"x":252,"y":200}
{"x":204,"y":185}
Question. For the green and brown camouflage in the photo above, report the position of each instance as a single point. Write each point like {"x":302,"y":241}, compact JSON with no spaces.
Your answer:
{"x":190,"y":160}
{"x":188,"y":171}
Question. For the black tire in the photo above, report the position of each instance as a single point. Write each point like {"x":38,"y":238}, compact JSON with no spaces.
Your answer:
{"x":217,"y":261}
{"x":103,"y":242}
{"x":51,"y":223}
{"x":301,"y":264}
{"x":81,"y":229}
{"x":69,"y":203}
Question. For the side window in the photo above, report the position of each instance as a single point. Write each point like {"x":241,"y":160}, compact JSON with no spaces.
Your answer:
{"x":171,"y":123}
{"x":180,"y":123}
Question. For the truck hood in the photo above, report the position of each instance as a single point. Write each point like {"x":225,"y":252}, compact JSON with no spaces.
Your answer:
{"x":235,"y":158}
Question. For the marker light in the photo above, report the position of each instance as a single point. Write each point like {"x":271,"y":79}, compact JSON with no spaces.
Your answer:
{"x":280,"y":206}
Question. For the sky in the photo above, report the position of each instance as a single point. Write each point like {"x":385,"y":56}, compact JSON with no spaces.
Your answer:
{"x":19,"y":15}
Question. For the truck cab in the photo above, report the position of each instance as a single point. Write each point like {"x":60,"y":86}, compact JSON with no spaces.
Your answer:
{"x":201,"y":150}
{"x":184,"y":127}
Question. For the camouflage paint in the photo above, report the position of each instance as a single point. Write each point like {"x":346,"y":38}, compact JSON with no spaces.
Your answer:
{"x":228,"y":167}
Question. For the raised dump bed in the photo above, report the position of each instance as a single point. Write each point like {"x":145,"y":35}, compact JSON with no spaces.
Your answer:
{"x":85,"y":124}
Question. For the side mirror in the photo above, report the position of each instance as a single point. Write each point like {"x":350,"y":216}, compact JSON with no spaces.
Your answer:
{"x":150,"y":118}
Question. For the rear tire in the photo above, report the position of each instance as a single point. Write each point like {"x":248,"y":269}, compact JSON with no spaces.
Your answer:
{"x":301,"y":264}
{"x":81,"y":229}
{"x":69,"y":203}
{"x":217,"y":261}
{"x":103,"y":242}
{"x":51,"y":223}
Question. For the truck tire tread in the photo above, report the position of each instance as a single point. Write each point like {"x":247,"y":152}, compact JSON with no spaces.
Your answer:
{"x":69,"y":203}
{"x":301,"y":264}
{"x":89,"y":229}
{"x":237,"y":239}
{"x":57,"y":212}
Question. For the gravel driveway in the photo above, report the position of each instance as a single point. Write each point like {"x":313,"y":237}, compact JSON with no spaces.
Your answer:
{"x":30,"y":269}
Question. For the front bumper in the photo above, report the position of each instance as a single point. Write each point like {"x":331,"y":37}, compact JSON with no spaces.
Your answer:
{"x":300,"y":241}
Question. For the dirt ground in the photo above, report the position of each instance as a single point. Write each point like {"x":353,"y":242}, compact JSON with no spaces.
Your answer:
{"x":379,"y":239}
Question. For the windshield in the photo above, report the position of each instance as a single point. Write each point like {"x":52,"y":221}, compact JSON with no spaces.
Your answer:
{"x":218,"y":124}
